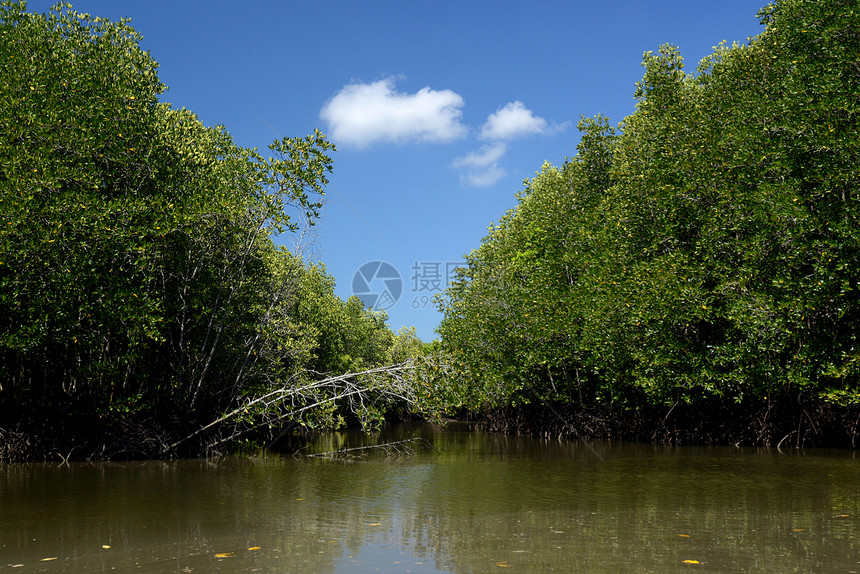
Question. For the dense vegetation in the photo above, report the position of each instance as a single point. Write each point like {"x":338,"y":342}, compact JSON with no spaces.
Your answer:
{"x":141,"y":290}
{"x":701,"y":256}
{"x":690,"y":275}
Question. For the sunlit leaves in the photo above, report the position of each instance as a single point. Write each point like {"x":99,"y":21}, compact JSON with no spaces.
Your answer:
{"x":137,"y":266}
{"x":703,"y":252}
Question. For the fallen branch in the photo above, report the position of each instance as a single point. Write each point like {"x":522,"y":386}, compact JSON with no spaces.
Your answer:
{"x":358,"y":390}
{"x":400,"y":447}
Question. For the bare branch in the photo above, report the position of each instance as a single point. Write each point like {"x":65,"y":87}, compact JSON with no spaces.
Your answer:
{"x":400,"y":447}
{"x":290,"y":402}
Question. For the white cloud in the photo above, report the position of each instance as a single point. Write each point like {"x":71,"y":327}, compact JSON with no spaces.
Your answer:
{"x":482,"y":166}
{"x":362,"y":114}
{"x":484,"y":177}
{"x":512,"y":121}
{"x":486,"y":156}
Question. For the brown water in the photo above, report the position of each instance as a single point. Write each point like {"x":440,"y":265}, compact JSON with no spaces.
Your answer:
{"x":482,"y":503}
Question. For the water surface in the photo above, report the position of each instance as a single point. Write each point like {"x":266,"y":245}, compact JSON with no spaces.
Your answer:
{"x":479,"y":503}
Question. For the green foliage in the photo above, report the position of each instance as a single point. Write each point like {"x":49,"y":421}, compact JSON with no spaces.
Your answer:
{"x":138,"y":274}
{"x":346,"y":337}
{"x":77,"y":119}
{"x":706,"y":250}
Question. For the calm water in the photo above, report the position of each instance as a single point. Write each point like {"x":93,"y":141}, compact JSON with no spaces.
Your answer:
{"x":482,"y":503}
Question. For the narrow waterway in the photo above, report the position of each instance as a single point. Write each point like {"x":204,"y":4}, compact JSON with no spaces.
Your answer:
{"x":478,"y":503}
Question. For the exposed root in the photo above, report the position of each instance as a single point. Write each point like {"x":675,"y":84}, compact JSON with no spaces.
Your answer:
{"x":773,"y":424}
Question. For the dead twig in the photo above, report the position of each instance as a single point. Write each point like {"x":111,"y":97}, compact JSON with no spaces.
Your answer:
{"x":357,"y":390}
{"x":400,"y":447}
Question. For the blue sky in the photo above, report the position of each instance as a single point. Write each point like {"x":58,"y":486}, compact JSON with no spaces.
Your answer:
{"x":439,"y":109}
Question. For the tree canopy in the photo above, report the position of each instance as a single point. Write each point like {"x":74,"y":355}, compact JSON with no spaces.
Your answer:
{"x":139,"y":276}
{"x":704,"y":250}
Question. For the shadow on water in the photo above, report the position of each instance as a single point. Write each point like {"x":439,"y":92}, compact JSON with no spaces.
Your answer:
{"x":476,"y":503}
